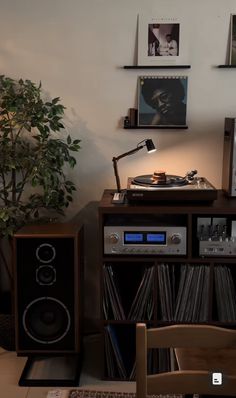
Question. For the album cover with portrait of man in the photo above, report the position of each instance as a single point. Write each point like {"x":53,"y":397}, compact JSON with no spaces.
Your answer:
{"x":162,"y":100}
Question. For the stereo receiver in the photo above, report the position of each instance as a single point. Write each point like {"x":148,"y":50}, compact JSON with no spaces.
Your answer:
{"x":133,"y":240}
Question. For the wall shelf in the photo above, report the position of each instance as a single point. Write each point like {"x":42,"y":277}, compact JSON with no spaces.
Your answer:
{"x":155,"y":127}
{"x":226,"y":66}
{"x":157,"y":66}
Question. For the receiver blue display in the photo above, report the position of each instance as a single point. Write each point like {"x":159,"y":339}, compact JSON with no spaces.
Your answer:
{"x":159,"y":237}
{"x":145,"y":238}
{"x":133,"y":237}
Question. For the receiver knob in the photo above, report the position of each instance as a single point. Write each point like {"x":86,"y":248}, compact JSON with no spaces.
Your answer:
{"x":176,"y":239}
{"x":113,"y":238}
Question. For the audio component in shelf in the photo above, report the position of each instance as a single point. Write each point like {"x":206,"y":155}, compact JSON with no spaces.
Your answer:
{"x":216,"y":237}
{"x":148,"y":240}
{"x":219,"y":247}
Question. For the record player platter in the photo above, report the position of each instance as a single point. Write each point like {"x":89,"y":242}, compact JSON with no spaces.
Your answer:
{"x":161,"y":186}
{"x":169,"y":181}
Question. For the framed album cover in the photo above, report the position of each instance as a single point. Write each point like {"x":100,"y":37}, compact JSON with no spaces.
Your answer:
{"x":162,"y":100}
{"x":159,"y":40}
{"x":232,"y":53}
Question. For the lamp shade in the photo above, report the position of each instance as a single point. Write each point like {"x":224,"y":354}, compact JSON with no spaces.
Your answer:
{"x":150,"y":146}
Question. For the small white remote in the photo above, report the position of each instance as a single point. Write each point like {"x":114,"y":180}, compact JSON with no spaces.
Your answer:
{"x":119,"y":197}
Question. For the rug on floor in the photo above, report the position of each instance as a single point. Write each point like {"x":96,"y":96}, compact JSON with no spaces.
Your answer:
{"x":109,"y":394}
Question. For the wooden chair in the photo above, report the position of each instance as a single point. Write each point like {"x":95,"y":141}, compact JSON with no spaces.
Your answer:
{"x":200,"y":350}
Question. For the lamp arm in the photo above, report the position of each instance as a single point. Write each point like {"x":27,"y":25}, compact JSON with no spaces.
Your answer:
{"x":115,"y":161}
{"x":129,"y":152}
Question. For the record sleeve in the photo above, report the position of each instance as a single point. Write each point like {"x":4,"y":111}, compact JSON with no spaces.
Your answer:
{"x":160,"y":40}
{"x":162,"y":100}
{"x":232,"y":54}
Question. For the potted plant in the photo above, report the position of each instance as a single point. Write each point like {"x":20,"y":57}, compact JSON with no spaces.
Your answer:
{"x":33,"y":156}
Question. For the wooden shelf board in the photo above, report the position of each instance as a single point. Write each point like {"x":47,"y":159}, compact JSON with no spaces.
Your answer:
{"x":157,"y":66}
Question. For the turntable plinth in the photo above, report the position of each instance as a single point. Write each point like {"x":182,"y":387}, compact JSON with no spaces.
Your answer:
{"x":176,"y":188}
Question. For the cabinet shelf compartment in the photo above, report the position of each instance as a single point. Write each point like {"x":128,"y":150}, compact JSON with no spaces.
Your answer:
{"x":150,"y":215}
{"x":213,"y":236}
{"x":224,"y":292}
{"x":120,"y":354}
{"x":119,"y":350}
{"x":183,"y":292}
{"x":125,"y":299}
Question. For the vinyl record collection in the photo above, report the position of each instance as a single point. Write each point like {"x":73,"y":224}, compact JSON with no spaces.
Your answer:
{"x":225,"y":293}
{"x":119,"y":352}
{"x":189,"y":301}
{"x":120,"y":355}
{"x":142,"y":304}
{"x":182,"y":296}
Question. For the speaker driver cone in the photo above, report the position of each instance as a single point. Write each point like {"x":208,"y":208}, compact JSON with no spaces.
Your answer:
{"x":45,"y":253}
{"x":46,"y":275}
{"x":46,"y":320}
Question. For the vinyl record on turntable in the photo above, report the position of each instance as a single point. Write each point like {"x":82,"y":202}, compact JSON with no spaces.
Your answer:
{"x":168,"y":181}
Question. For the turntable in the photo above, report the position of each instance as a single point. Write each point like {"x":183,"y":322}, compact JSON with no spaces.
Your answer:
{"x":163,"y":187}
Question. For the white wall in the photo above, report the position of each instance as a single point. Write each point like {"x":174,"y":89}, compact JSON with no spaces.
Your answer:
{"x":78,"y":48}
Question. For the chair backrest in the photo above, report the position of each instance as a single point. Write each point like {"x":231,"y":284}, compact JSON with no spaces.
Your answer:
{"x":200,"y":351}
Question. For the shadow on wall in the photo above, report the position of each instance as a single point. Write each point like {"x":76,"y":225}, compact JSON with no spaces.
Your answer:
{"x":89,"y":175}
{"x":91,"y":172}
{"x":88,"y":216}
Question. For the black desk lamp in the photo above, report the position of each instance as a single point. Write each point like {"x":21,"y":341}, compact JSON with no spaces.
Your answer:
{"x":119,"y":196}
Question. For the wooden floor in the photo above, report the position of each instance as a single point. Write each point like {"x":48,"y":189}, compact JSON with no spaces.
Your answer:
{"x":11,"y":367}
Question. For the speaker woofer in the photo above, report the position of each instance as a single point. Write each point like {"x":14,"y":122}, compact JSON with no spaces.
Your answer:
{"x":46,"y":320}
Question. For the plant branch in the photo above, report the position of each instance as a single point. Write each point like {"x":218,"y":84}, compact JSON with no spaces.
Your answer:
{"x":23,"y":182}
{"x":4,"y":197}
{"x":18,"y":133}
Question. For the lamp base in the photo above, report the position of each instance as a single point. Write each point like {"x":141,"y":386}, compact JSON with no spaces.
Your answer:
{"x":119,"y":197}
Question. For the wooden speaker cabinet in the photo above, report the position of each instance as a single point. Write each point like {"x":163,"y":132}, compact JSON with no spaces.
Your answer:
{"x":48,"y":288}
